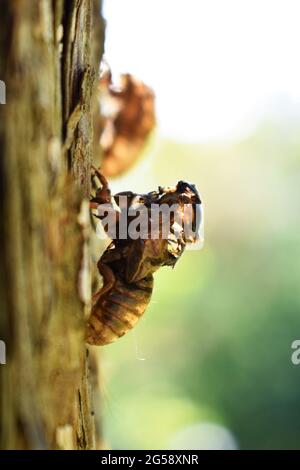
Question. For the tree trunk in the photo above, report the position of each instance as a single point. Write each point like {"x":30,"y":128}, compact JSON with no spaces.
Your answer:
{"x":49,"y":58}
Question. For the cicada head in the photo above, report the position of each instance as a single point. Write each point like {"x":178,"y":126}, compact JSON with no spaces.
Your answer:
{"x":190,"y":200}
{"x":185,"y":200}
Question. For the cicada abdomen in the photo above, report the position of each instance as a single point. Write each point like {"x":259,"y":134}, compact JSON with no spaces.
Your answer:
{"x":118,"y":309}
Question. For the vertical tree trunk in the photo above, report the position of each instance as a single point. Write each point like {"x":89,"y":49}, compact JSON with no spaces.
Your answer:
{"x":49,"y":57}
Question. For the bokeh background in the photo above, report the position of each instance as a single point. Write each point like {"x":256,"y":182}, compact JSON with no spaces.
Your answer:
{"x":209,"y":365}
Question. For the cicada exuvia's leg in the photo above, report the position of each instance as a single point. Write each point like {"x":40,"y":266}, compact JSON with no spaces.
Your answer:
{"x":103,"y":194}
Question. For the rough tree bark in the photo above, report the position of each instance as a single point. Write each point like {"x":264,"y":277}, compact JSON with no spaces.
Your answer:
{"x":49,"y":58}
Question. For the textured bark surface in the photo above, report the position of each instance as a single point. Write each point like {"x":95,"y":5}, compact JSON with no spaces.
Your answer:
{"x":49,"y":57}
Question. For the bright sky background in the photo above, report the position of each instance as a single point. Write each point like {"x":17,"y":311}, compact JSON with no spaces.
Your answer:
{"x":216,"y":66}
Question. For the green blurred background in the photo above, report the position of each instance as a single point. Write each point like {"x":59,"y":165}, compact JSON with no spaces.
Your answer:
{"x":216,"y":339}
{"x":214,"y":347}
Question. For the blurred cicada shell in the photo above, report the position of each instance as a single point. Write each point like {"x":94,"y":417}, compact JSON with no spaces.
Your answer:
{"x":128,"y":117}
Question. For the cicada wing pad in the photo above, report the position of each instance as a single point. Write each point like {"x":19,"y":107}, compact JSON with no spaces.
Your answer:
{"x":144,"y":258}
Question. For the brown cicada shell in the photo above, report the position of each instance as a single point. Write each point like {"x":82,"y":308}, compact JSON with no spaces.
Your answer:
{"x":128,"y":116}
{"x":127,"y":265}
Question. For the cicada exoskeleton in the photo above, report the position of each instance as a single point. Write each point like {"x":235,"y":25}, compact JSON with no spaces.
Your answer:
{"x":128,"y":264}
